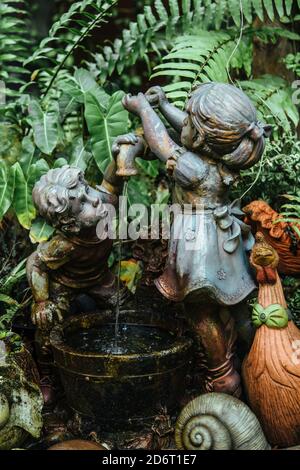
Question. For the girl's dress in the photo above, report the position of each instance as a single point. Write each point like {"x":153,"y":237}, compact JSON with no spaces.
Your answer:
{"x":207,"y":250}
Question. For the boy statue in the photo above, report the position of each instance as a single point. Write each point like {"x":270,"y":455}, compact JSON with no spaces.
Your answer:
{"x":75,"y":259}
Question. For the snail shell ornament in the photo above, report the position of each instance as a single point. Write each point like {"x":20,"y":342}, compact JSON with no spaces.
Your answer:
{"x":217,"y":421}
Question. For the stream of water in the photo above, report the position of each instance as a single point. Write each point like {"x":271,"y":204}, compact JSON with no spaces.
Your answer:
{"x":121,"y":221}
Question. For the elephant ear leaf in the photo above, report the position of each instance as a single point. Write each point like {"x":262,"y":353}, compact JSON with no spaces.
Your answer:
{"x":6,"y":188}
{"x":80,"y":156}
{"x":40,"y":231}
{"x":105,"y":122}
{"x":27,"y":155}
{"x":22,"y":202}
{"x":23,"y":205}
{"x":45,"y":127}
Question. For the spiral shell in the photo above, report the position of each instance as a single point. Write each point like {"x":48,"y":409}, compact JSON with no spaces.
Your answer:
{"x":4,"y":411}
{"x":216,"y":421}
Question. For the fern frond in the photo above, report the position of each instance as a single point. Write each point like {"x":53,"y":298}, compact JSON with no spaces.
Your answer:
{"x":263,"y":9}
{"x":273,"y":99}
{"x":153,"y":31}
{"x":160,"y":24}
{"x":67,"y":35}
{"x":14,"y":45}
{"x":195,"y":59}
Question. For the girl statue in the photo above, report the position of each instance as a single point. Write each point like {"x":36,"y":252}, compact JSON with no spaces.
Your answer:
{"x":207,"y":267}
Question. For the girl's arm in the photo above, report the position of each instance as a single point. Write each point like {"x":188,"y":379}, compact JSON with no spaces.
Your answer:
{"x":175,"y":117}
{"x":155,"y":133}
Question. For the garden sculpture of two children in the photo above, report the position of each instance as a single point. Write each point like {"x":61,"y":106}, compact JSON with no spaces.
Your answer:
{"x":208,"y":266}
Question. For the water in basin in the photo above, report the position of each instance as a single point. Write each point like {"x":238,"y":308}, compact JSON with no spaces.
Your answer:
{"x":132,"y":339}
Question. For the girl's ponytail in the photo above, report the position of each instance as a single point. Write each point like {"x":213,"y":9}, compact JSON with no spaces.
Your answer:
{"x":250,"y":149}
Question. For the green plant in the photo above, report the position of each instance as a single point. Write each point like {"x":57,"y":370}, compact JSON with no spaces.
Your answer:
{"x":292,"y":293}
{"x":208,"y":57}
{"x":66,"y":114}
{"x":65,"y":37}
{"x":8,"y":305}
{"x":13,"y":342}
{"x":291,"y":212}
{"x":275,"y":175}
{"x":160,"y":24}
{"x":14,"y":45}
{"x":292,"y":62}
{"x":48,"y":131}
{"x":47,"y":139}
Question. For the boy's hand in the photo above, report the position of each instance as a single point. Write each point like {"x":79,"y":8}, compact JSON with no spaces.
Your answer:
{"x":45,"y":314}
{"x":129,"y":139}
{"x":156,"y":96}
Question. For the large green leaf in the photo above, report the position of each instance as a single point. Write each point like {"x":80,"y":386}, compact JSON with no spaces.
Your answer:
{"x":75,"y":89}
{"x":27,"y":155}
{"x":80,"y":156}
{"x":40,"y":231}
{"x":36,"y":171}
{"x":22,"y":203}
{"x":45,"y":127}
{"x":85,"y":83}
{"x":104,"y":125}
{"x":85,"y":80}
{"x":6,"y":189}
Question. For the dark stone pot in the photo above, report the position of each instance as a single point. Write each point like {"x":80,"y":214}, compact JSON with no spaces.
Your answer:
{"x":122,"y":391}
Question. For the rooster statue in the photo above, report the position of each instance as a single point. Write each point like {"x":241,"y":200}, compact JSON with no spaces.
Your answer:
{"x":271,"y":370}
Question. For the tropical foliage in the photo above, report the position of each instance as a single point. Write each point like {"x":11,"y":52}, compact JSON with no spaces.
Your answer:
{"x":57,"y":113}
{"x":8,"y":305}
{"x":60,"y":95}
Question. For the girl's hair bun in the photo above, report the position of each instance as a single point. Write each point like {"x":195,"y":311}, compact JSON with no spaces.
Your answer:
{"x":257,"y":129}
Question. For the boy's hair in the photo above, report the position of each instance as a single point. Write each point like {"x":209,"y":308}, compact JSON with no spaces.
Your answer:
{"x":51,"y":195}
{"x":227,"y":121}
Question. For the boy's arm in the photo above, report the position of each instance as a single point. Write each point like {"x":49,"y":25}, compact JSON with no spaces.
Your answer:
{"x":49,"y":256}
{"x":155,"y":132}
{"x":38,"y":278}
{"x":175,"y":117}
{"x":42,"y":309}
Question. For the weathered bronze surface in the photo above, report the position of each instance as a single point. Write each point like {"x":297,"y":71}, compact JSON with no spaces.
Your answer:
{"x":219,"y":135}
{"x":75,"y":259}
{"x":121,"y":391}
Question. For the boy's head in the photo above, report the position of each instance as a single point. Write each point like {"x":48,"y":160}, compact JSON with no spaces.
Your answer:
{"x":66,"y":201}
